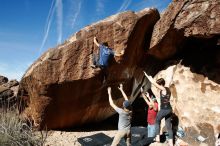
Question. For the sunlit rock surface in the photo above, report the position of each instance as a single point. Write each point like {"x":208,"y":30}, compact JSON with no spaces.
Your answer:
{"x":62,"y":90}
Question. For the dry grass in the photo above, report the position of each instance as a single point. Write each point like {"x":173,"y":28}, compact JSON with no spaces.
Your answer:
{"x":14,"y":131}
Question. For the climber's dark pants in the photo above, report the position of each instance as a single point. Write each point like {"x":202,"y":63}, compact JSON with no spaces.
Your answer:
{"x":95,"y":59}
{"x":164,"y":113}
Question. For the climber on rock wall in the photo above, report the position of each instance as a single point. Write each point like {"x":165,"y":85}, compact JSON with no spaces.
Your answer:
{"x":101,"y":58}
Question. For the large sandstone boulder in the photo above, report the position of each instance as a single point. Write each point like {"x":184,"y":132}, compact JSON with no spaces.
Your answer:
{"x":61,"y":89}
{"x":190,"y":30}
{"x":182,"y":20}
{"x":8,"y":92}
{"x":195,"y":100}
{"x":3,"y":80}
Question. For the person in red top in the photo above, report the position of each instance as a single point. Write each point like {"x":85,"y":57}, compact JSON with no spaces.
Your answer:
{"x":152,"y":112}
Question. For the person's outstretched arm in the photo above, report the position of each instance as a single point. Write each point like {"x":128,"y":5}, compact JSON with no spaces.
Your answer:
{"x":152,"y":102}
{"x":110,"y":99}
{"x":96,"y":42}
{"x":146,"y":98}
{"x":149,"y":98}
{"x":122,"y":91}
{"x":154,"y":82}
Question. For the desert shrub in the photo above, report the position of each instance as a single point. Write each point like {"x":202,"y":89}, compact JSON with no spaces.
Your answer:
{"x":16,"y":132}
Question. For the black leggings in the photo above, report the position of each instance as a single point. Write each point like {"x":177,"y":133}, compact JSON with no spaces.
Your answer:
{"x":164,"y":113}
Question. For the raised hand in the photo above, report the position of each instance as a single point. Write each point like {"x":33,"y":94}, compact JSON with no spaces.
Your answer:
{"x":96,"y":41}
{"x":149,"y":77}
{"x":109,"y":90}
{"x":142,"y":90}
{"x":147,"y":94}
{"x":145,"y":74}
{"x":120,"y":87}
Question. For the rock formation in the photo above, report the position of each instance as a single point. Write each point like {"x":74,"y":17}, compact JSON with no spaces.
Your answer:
{"x":185,"y":20}
{"x":3,"y":80}
{"x":190,"y":30}
{"x":8,"y":92}
{"x":195,"y":101}
{"x":61,"y":89}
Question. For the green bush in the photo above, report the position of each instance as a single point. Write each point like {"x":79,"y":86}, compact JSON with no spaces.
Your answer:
{"x":15,"y":132}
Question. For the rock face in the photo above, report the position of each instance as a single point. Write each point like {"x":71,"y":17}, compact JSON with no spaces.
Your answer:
{"x":8,"y":92}
{"x":3,"y":80}
{"x":190,"y":30}
{"x":182,"y":20}
{"x":195,"y":101}
{"x":61,"y":89}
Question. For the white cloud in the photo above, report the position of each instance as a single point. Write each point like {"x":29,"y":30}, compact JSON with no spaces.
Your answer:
{"x":100,"y":6}
{"x":143,"y":2}
{"x":47,"y":26}
{"x":124,"y":5}
{"x":75,"y":11}
{"x":59,"y":8}
{"x":56,"y":5}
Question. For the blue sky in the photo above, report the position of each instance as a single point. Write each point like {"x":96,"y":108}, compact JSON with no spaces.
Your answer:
{"x":29,"y":27}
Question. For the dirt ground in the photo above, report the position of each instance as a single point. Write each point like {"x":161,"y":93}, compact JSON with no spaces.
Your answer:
{"x":60,"y":138}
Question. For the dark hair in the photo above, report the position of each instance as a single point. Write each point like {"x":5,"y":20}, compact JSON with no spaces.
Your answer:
{"x":127,"y":104}
{"x":105,"y":44}
{"x":161,"y":81}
